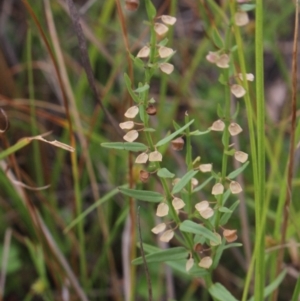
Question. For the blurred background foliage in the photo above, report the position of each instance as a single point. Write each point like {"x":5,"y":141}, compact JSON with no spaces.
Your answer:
{"x":32,"y":99}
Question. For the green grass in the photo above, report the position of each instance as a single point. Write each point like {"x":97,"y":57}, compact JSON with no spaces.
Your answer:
{"x":80,"y":234}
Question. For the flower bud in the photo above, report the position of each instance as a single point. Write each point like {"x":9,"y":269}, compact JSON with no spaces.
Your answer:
{"x":169,"y":20}
{"x":144,"y":52}
{"x":144,"y":176}
{"x":177,"y":144}
{"x":131,"y":136}
{"x":167,"y":236}
{"x":132,"y":5}
{"x":234,"y":129}
{"x":241,"y":156}
{"x":235,"y":187}
{"x":178,"y":203}
{"x":159,"y":228}
{"x":160,"y":29}
{"x":237,"y":90}
{"x":205,"y":167}
{"x":205,"y":262}
{"x":230,"y":235}
{"x":162,"y":210}
{"x":151,"y":110}
{"x":155,"y":156}
{"x":218,"y":126}
{"x":166,"y":68}
{"x":217,"y":189}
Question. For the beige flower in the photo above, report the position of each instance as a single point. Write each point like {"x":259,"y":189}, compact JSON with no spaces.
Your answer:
{"x":206,"y":262}
{"x":162,"y":210}
{"x":167,"y":236}
{"x":159,"y":228}
{"x":131,"y":136}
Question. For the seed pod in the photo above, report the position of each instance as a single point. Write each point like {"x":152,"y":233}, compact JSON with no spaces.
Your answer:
{"x":144,"y":176}
{"x":230,"y":235}
{"x":177,"y":144}
{"x":151,"y":110}
{"x":132,"y":5}
{"x":205,"y":262}
{"x":198,"y":248}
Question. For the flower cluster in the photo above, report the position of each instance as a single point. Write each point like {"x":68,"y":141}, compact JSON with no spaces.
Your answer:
{"x":222,"y":60}
{"x":164,"y":53}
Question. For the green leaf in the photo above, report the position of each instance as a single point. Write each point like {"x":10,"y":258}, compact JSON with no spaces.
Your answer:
{"x":198,"y":188}
{"x":226,"y":216}
{"x":171,"y":254}
{"x":137,"y":61}
{"x":172,"y":136}
{"x":184,"y":180}
{"x":234,"y":245}
{"x":142,"y":88}
{"x":225,"y":209}
{"x":230,"y":152}
{"x":151,"y":10}
{"x":222,"y":80}
{"x":220,"y":111}
{"x":128,"y":86}
{"x":217,"y":39}
{"x":235,"y":173}
{"x":164,"y":173}
{"x":219,"y":292}
{"x":176,"y":125}
{"x":163,"y":42}
{"x":198,"y":133}
{"x":272,"y":286}
{"x":247,"y":7}
{"x":192,"y":227}
{"x":149,"y":130}
{"x":129,"y":146}
{"x":142,"y":195}
{"x":235,"y":114}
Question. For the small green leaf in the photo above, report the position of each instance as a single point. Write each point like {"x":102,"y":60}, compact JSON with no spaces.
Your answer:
{"x":129,"y":146}
{"x":149,"y":130}
{"x":222,"y":80}
{"x":219,"y":292}
{"x":137,"y":61}
{"x":142,"y":88}
{"x":192,"y":227}
{"x":128,"y":86}
{"x":230,"y":152}
{"x":163,"y":42}
{"x":225,"y":209}
{"x":198,"y":188}
{"x":226,"y":216}
{"x":234,"y":245}
{"x":151,"y":10}
{"x":217,"y":39}
{"x":272,"y":286}
{"x":164,"y":173}
{"x":176,"y":125}
{"x":184,"y":180}
{"x":220,"y":111}
{"x":235,"y":114}
{"x":247,"y":7}
{"x":172,"y":136}
{"x":198,"y":133}
{"x":171,"y":254}
{"x":235,"y":173}
{"x":142,"y":195}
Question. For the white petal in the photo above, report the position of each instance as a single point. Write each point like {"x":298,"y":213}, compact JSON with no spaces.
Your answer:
{"x":141,"y":158}
{"x":131,"y":136}
{"x":223,"y":61}
{"x":194,"y":182}
{"x":241,"y":156}
{"x":160,"y":29}
{"x":132,"y":112}
{"x":234,"y":129}
{"x":212,"y":57}
{"x":127,"y":125}
{"x":159,"y":228}
{"x":167,"y":236}
{"x":169,"y":20}
{"x":202,"y":205}
{"x":235,"y":187}
{"x":249,"y":77}
{"x":162,"y":209}
{"x":241,"y":18}
{"x":218,"y":126}
{"x":189,"y":264}
{"x":205,"y":262}
{"x":165,"y":52}
{"x":205,"y":167}
{"x":155,"y":156}
{"x":207,"y":213}
{"x":178,"y":203}
{"x":217,"y":189}
{"x":144,"y":52}
{"x":237,"y":90}
{"x":166,"y":68}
